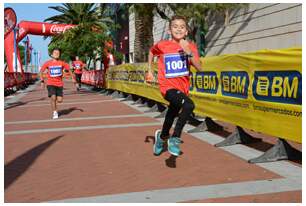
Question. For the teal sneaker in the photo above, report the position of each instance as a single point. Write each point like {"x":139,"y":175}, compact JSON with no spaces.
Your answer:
{"x":174,"y":146}
{"x":159,"y":143}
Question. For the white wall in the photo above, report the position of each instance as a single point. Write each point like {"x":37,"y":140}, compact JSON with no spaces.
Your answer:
{"x":260,"y":26}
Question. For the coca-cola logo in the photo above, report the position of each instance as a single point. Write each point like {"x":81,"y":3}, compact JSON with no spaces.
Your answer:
{"x":59,"y":29}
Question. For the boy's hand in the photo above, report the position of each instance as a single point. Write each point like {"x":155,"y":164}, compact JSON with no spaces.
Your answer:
{"x":185,"y":45}
{"x":149,"y":77}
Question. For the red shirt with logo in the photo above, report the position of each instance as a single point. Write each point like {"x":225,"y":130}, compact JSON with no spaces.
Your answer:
{"x":55,"y":71}
{"x":78,"y":66}
{"x":173,"y":65}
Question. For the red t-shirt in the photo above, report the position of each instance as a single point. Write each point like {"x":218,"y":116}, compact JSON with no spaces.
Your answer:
{"x":55,"y":71}
{"x":78,"y":66}
{"x":173,"y":65}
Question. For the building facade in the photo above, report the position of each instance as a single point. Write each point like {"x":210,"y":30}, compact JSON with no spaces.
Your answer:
{"x":258,"y":26}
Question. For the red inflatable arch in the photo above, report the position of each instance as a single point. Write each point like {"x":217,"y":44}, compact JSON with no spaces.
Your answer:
{"x":29,"y":27}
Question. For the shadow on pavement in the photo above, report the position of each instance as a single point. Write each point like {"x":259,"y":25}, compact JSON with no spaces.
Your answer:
{"x":68,"y":111}
{"x":18,"y":103}
{"x":171,"y":161}
{"x":15,"y":168}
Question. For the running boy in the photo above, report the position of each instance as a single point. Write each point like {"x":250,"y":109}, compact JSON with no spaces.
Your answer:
{"x":174,"y":59}
{"x":78,"y":67}
{"x":55,"y":84}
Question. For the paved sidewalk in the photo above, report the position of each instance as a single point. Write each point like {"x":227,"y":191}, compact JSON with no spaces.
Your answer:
{"x":100,"y":150}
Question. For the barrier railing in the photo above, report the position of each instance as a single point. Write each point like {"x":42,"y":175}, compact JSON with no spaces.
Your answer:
{"x":93,"y":78}
{"x":15,"y":81}
{"x":260,"y":91}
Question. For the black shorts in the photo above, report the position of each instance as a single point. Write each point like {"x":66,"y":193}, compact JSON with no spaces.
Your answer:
{"x":54,"y":90}
{"x":78,"y":78}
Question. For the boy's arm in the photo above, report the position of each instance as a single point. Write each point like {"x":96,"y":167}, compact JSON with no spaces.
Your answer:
{"x":42,"y":70}
{"x":153,"y":51}
{"x":67,"y":67}
{"x":193,"y":56}
{"x":150,"y":61}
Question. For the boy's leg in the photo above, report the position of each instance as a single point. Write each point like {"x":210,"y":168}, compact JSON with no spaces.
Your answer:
{"x":59,"y":94}
{"x":80,"y":81}
{"x":75,"y":83}
{"x":53,"y":103}
{"x":161,"y":136}
{"x":59,"y":99}
{"x":52,"y":95}
{"x":187,"y":108}
{"x":173,"y":110}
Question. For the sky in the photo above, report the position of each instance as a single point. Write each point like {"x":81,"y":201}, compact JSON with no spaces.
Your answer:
{"x":35,"y":12}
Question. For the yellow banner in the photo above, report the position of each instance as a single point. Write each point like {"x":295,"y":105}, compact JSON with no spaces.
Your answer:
{"x":261,"y":90}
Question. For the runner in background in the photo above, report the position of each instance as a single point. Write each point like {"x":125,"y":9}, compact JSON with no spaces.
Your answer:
{"x":174,"y":59}
{"x":54,"y":69}
{"x":108,"y":60}
{"x":78,"y":67}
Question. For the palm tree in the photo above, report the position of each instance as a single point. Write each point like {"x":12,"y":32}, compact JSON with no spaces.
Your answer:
{"x":196,"y":13}
{"x":88,"y":36}
{"x":144,"y":14}
{"x":80,"y":13}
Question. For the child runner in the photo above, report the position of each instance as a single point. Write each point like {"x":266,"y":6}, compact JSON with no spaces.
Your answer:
{"x":78,"y":67}
{"x":174,"y":59}
{"x":55,"y":69}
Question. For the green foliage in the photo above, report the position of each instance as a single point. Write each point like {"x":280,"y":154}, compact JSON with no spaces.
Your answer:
{"x":79,"y":41}
{"x":197,"y":14}
{"x":88,"y":37}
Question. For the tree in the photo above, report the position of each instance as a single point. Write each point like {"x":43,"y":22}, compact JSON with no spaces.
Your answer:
{"x":196,"y":13}
{"x":88,"y":37}
{"x":144,"y":14}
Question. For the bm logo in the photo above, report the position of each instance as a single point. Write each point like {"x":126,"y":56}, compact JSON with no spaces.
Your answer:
{"x":206,"y":82}
{"x":278,"y":86}
{"x":235,"y":84}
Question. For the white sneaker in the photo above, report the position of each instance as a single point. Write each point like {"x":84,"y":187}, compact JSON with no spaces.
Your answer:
{"x":55,"y":115}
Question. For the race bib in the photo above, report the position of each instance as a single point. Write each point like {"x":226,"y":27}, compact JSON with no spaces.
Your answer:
{"x":55,"y":71}
{"x":176,"y":65}
{"x":77,"y":66}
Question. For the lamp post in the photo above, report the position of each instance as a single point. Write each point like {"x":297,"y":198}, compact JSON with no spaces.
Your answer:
{"x":35,"y":61}
{"x":15,"y":48}
{"x":25,"y":55}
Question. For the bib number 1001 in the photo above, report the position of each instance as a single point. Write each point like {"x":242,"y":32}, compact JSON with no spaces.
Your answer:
{"x":174,"y":65}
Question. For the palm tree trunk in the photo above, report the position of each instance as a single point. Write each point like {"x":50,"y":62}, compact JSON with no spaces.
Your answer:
{"x":143,"y":31}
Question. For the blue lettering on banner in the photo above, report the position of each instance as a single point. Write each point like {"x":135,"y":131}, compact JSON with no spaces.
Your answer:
{"x":55,"y":71}
{"x":235,"y":84}
{"x":176,"y":65}
{"x":206,"y":82}
{"x":278,"y":86}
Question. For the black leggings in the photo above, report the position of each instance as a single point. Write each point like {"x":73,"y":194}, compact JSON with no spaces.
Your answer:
{"x":178,"y":100}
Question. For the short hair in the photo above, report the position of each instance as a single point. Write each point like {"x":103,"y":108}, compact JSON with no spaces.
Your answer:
{"x":56,"y":48}
{"x":178,"y":17}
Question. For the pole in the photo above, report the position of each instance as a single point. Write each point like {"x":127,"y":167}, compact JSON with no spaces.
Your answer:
{"x":31,"y":59}
{"x":35,"y":61}
{"x":15,"y":49}
{"x":25,"y":55}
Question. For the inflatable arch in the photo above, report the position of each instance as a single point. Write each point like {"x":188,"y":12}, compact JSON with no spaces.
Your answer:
{"x":24,"y":28}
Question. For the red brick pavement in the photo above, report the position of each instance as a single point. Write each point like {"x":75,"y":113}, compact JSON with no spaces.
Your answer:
{"x":83,"y":163}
